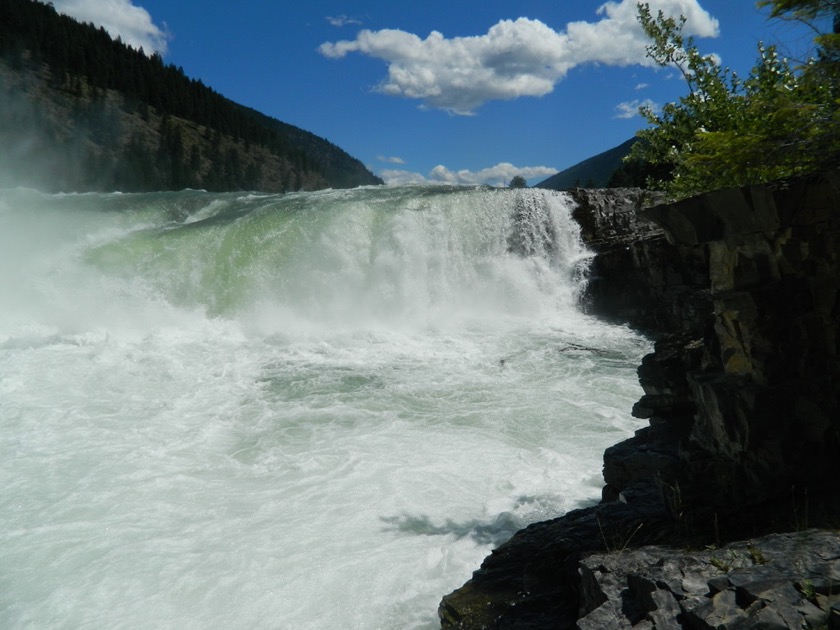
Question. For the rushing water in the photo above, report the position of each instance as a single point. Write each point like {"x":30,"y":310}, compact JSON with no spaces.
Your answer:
{"x":314,"y":410}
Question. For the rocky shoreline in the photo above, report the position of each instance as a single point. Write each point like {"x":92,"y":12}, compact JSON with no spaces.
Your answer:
{"x":717,"y":514}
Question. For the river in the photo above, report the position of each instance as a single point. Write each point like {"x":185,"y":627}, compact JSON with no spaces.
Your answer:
{"x":312,"y":410}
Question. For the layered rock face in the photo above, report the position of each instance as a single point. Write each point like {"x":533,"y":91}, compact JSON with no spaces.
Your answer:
{"x":762,"y":373}
{"x":742,"y":394}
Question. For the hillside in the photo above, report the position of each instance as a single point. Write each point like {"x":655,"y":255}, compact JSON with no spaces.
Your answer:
{"x":82,"y":111}
{"x":594,"y":172}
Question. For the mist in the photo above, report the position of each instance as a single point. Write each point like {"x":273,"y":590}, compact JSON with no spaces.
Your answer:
{"x":48,"y":141}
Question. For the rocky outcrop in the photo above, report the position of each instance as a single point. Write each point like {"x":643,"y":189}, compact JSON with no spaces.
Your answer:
{"x":637,"y":275}
{"x":779,"y":581}
{"x":766,"y":380}
{"x":744,"y":389}
{"x":742,"y":395}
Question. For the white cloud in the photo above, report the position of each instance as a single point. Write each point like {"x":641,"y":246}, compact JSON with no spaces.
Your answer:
{"x":394,"y":177}
{"x":498,"y":175}
{"x":120,"y":18}
{"x":342,"y":20}
{"x":630,"y":109}
{"x":390,"y":159}
{"x":642,"y":86}
{"x":514,"y":58}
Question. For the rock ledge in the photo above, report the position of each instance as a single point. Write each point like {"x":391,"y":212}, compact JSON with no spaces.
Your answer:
{"x":741,"y":288}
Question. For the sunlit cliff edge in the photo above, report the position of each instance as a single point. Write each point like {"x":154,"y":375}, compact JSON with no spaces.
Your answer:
{"x":719,"y":514}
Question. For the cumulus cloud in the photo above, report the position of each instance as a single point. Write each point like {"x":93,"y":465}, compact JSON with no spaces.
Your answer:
{"x":514,"y":58}
{"x":498,"y":175}
{"x":120,"y":18}
{"x":630,"y":109}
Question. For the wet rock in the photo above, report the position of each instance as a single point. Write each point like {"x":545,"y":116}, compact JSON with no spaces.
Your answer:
{"x":742,"y":395}
{"x":637,"y":275}
{"x":741,"y":585}
{"x":531,"y":581}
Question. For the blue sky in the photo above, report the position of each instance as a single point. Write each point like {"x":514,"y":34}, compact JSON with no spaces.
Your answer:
{"x":444,"y":91}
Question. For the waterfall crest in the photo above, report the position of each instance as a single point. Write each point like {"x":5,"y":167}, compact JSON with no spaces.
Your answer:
{"x":371,"y":255}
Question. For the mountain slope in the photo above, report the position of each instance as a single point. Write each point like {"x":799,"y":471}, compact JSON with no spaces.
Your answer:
{"x":82,"y":111}
{"x":594,"y":172}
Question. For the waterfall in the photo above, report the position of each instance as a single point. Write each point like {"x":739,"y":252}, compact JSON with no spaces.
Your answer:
{"x":312,"y":410}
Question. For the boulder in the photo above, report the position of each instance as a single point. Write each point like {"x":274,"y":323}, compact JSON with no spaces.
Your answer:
{"x":773,"y":582}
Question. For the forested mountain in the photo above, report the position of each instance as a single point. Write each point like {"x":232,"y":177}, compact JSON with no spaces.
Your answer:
{"x":82,"y":111}
{"x":594,"y":172}
{"x":609,"y":169}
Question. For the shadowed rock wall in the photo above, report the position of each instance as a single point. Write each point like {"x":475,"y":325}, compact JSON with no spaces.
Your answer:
{"x":742,"y":394}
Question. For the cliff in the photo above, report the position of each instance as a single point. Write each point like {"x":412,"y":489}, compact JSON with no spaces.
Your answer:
{"x":740,"y":288}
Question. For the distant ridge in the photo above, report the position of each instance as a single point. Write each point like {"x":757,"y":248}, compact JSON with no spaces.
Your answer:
{"x":594,"y":172}
{"x":81,"y":111}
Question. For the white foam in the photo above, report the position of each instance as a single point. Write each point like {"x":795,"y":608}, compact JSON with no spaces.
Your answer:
{"x":281,"y":465}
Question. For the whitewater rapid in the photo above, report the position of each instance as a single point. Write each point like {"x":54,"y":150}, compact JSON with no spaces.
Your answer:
{"x":315,"y":410}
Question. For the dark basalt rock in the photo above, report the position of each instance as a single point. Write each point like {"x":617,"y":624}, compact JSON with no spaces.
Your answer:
{"x":779,"y":581}
{"x":530,"y":582}
{"x":742,"y":395}
{"x":637,"y":276}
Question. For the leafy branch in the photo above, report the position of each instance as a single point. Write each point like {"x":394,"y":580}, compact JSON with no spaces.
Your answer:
{"x":778,"y":122}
